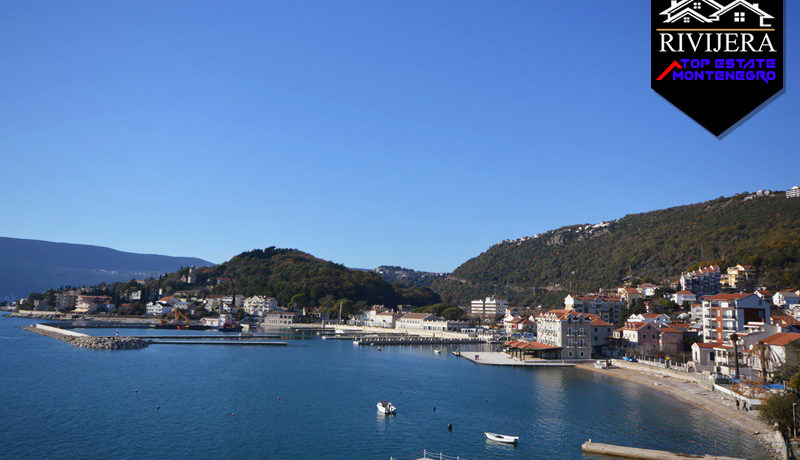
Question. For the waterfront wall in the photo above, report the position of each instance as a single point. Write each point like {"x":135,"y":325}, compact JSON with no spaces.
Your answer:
{"x":690,"y":376}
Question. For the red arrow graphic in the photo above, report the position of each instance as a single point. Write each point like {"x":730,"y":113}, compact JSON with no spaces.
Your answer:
{"x":669,"y":69}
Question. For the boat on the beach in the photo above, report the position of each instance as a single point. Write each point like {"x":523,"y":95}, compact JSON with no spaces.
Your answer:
{"x":602,"y":364}
{"x":501,"y":438}
{"x":386,"y":408}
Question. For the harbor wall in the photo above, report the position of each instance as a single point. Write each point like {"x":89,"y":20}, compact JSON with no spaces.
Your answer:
{"x":56,"y":330}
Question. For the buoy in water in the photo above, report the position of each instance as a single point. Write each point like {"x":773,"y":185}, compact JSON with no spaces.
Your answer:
{"x":158,"y":407}
{"x":450,"y":427}
{"x":434,"y":408}
{"x":233,"y":414}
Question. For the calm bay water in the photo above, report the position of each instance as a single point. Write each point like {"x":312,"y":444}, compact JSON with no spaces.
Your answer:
{"x":316,"y":399}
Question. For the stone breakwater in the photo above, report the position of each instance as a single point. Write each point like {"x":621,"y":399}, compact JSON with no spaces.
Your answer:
{"x":87,"y":341}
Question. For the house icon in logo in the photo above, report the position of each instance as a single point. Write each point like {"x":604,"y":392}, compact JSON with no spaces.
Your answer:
{"x":738,"y":13}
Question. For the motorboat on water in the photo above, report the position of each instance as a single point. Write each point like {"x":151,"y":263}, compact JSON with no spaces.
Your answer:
{"x":501,"y":438}
{"x":386,"y":408}
{"x":437,"y":351}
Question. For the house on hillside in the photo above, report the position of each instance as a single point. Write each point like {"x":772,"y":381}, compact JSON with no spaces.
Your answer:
{"x":653,"y":318}
{"x":683,"y":296}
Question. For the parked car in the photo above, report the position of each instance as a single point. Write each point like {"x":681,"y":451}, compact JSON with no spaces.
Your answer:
{"x":631,"y":359}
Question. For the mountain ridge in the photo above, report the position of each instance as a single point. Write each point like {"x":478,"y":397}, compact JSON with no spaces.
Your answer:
{"x":747,"y":228}
{"x":29,"y":265}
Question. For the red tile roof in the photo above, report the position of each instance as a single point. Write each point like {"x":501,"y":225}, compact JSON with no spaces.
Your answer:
{"x":782,"y":338}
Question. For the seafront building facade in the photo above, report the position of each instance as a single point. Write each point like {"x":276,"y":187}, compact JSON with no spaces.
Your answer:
{"x":569,"y":330}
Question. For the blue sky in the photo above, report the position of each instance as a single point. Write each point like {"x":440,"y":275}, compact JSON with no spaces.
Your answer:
{"x":410,"y":133}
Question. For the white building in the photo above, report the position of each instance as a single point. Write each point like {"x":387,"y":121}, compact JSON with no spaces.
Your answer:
{"x":89,"y":304}
{"x":488,"y":308}
{"x":158,"y":308}
{"x":793,"y":192}
{"x":658,"y":319}
{"x":414,"y":320}
{"x":381,"y":318}
{"x":257,"y":305}
{"x":683,"y":296}
{"x":785,"y":298}
{"x":279,"y":318}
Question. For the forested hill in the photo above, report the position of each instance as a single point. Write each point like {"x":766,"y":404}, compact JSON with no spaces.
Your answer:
{"x":762,"y":231}
{"x":295,"y":277}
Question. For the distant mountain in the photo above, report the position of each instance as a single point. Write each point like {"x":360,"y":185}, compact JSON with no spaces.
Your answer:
{"x":747,"y":228}
{"x":33,"y":265}
{"x":407,"y":276}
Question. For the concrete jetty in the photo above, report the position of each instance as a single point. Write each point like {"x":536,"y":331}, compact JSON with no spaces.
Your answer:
{"x":496,"y":358}
{"x":216,"y":342}
{"x":644,"y":454}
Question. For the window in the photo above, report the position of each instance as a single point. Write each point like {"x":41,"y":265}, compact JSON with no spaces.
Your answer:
{"x":595,"y":329}
{"x":569,"y":331}
{"x":686,"y":19}
{"x":570,"y":354}
{"x":738,"y":16}
{"x":697,"y":5}
{"x":569,"y":342}
{"x":581,"y":354}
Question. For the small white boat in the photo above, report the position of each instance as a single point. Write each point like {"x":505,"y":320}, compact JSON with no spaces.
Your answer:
{"x":501,"y":438}
{"x":386,"y":407}
{"x":437,"y":351}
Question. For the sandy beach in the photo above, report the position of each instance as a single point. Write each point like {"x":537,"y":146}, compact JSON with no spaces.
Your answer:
{"x":688,"y":390}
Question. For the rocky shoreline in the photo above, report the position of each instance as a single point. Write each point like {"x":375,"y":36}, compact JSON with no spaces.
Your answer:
{"x":95,"y":343}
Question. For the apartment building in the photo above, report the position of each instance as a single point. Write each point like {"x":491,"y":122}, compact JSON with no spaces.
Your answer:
{"x":793,"y":192}
{"x":607,"y":307}
{"x":724,"y":314}
{"x":257,"y":305}
{"x":66,"y":301}
{"x":488,"y":308}
{"x":639,"y":334}
{"x":704,"y":281}
{"x":741,"y":277}
{"x":569,"y":330}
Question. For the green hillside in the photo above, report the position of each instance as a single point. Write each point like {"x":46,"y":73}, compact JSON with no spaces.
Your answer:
{"x":286,"y":273}
{"x":762,"y":231}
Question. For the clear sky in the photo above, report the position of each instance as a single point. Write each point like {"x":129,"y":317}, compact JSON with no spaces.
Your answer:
{"x":414,"y":133}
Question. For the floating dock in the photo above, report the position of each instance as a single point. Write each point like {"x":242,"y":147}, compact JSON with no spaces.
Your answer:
{"x":644,"y":454}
